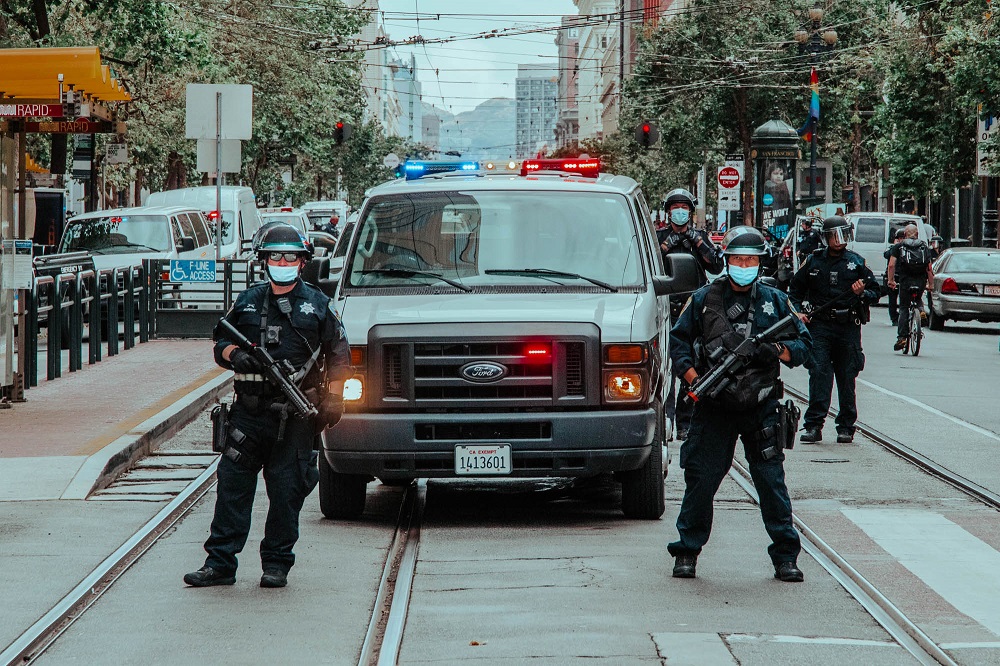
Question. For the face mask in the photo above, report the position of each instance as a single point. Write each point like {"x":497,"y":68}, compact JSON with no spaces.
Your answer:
{"x":680,"y":216}
{"x":283,"y":275}
{"x":743,"y":276}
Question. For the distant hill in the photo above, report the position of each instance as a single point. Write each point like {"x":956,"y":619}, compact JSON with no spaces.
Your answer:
{"x":486,"y":132}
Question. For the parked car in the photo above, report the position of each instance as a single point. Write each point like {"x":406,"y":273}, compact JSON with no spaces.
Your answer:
{"x":323,"y":240}
{"x":966,"y":286}
{"x":240,"y":219}
{"x":340,"y":252}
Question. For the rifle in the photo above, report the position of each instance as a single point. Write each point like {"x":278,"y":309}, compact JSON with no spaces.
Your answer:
{"x":716,"y":380}
{"x":277,"y":372}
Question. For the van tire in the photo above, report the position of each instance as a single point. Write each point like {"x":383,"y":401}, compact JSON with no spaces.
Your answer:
{"x":341,"y":496}
{"x":643,"y":488}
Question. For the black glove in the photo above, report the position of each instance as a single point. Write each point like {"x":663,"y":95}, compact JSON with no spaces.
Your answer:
{"x":330,"y":411}
{"x":766,"y":353}
{"x":691,"y":235}
{"x":244,"y":363}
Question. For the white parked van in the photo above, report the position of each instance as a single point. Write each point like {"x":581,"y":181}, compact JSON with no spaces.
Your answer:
{"x":873,"y":233}
{"x":240,"y":219}
{"x":320,"y":212}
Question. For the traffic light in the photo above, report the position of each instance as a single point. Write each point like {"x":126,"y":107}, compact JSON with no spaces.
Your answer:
{"x":341,"y":132}
{"x":646,"y":134}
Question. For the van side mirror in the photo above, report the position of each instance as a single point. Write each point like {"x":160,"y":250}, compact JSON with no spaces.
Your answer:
{"x":186,"y":244}
{"x":683,"y":275}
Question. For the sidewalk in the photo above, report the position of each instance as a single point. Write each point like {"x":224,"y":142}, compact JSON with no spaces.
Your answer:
{"x":76,"y":433}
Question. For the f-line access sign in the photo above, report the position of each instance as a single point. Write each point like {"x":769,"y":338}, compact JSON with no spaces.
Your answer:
{"x":192,"y":270}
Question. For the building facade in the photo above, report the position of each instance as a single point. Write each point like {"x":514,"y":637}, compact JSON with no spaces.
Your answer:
{"x":595,"y":38}
{"x":537,"y":89}
{"x":408,"y":92}
{"x":567,"y":119}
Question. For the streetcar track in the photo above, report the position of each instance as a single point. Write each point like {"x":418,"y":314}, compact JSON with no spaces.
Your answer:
{"x":33,"y":642}
{"x":904,"y":631}
{"x":388,"y":621}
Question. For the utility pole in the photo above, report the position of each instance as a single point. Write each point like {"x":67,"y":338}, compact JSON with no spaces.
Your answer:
{"x":621,"y":51}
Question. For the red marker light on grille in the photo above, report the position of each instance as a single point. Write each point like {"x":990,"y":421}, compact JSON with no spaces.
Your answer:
{"x":538,"y":353}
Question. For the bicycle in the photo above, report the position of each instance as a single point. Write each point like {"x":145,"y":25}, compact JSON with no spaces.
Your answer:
{"x":916,"y":333}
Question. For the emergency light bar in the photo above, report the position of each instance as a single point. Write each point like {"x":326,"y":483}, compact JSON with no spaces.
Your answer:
{"x":590,"y":167}
{"x":418,"y":169}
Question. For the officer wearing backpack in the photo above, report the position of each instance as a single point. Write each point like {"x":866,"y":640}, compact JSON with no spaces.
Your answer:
{"x":893,"y":293}
{"x":909,"y":268}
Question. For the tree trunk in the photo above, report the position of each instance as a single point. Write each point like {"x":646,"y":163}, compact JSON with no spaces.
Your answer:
{"x":140,"y":180}
{"x":176,"y":173}
{"x":856,"y":160}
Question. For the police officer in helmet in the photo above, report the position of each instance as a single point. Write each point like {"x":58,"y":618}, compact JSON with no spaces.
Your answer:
{"x":834,"y":272}
{"x":295,"y":322}
{"x":722,"y":315}
{"x":679,"y":237}
{"x":809,"y":239}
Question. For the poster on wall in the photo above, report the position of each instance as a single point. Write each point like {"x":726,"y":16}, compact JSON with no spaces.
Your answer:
{"x":776,"y":195}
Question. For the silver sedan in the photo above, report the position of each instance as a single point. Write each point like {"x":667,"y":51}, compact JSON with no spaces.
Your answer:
{"x":966,"y":286}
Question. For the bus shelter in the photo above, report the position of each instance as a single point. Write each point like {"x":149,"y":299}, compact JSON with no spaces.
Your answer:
{"x":64,"y":90}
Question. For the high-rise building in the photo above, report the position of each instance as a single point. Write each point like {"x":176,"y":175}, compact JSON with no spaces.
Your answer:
{"x":568,"y":119}
{"x":431,"y":130}
{"x":371,"y":65}
{"x":408,"y":93}
{"x":537,"y":88}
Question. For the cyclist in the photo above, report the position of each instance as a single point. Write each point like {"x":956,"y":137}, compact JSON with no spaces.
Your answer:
{"x":911,"y":262}
{"x":893,"y":293}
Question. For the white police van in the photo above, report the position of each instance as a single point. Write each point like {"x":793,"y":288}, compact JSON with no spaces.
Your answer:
{"x":505,"y":325}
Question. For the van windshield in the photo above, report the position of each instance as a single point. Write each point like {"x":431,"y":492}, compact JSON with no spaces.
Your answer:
{"x":118,"y":235}
{"x":552,"y":239}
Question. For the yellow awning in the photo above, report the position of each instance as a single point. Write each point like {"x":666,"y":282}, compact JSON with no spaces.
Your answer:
{"x":34,"y":74}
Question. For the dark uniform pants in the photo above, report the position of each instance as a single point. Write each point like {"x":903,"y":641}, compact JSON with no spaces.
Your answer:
{"x":905,"y":287}
{"x":894,"y":305}
{"x":290,"y":474}
{"x":706,"y":457}
{"x":836,"y":354}
{"x":679,"y":410}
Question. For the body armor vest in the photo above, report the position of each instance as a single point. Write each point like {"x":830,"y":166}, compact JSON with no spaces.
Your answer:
{"x":754,"y":383}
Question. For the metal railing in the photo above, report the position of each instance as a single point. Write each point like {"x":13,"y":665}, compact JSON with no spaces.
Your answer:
{"x":87,"y":303}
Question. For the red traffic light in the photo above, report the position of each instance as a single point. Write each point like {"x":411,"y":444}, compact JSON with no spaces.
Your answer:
{"x":645,"y":128}
{"x":340,"y":125}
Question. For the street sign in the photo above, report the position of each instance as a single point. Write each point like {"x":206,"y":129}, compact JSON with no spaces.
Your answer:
{"x":117,"y":153}
{"x":78,"y":126}
{"x":729,"y":177}
{"x":391,"y":161}
{"x":988,"y":126}
{"x":232,"y":155}
{"x":236,"y":111}
{"x":16,"y":264}
{"x":192,"y":270}
{"x":31,"y":110}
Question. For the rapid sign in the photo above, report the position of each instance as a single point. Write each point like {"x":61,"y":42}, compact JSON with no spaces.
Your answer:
{"x":31,"y":110}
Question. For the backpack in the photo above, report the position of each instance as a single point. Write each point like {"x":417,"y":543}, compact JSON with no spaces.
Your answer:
{"x":914,"y":255}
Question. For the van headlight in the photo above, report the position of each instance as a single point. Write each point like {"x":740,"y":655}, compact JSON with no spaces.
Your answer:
{"x":354,"y":389}
{"x":623,"y":385}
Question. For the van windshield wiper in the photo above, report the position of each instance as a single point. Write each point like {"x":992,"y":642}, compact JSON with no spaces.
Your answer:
{"x":405,"y":273}
{"x":550,"y":272}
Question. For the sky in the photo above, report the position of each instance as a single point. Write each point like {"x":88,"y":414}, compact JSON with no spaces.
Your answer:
{"x":459,"y":75}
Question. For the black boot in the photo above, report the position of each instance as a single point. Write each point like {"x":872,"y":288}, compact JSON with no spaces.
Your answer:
{"x":813,"y":434}
{"x":274,"y":578}
{"x":684,"y":566}
{"x":207,"y":576}
{"x":788,"y":572}
{"x":845,"y":436}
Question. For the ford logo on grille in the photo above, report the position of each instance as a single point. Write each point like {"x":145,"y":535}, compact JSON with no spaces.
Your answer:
{"x":483,"y":372}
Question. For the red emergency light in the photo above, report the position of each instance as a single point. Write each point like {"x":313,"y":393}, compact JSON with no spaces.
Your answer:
{"x":590,"y":167}
{"x":538,"y":353}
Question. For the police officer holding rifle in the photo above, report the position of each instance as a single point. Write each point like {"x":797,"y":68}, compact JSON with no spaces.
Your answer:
{"x":288,"y":349}
{"x":727,"y":345}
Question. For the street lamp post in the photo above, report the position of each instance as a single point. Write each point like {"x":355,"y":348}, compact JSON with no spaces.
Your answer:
{"x":814,"y":41}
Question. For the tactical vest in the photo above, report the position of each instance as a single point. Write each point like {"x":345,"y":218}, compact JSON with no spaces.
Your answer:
{"x":753,"y":384}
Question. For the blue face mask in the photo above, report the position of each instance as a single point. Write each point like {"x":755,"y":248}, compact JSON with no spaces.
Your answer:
{"x":283,"y":275}
{"x":680,"y":216}
{"x":743,"y":276}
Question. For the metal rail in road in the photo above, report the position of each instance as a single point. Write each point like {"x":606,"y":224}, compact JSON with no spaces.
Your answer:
{"x":932,"y":467}
{"x":33,"y":642}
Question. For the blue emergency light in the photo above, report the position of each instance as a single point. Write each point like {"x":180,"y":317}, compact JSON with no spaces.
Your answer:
{"x":416,"y":169}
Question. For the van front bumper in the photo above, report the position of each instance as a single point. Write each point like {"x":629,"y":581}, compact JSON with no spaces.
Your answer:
{"x":569,"y":444}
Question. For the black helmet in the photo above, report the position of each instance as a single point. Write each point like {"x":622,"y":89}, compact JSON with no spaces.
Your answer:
{"x":743,"y":240}
{"x":807,"y":221}
{"x":900,"y":234}
{"x":680,"y":195}
{"x":837,"y":226}
{"x":280,"y":237}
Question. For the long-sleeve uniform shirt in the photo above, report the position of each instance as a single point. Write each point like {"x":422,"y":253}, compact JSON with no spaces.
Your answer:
{"x":825,"y":276}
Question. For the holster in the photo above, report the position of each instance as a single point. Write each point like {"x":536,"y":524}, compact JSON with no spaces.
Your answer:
{"x":220,"y":427}
{"x":239,"y":448}
{"x":788,"y":422}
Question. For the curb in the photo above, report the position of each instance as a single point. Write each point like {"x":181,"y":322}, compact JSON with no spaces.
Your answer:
{"x":103,"y":467}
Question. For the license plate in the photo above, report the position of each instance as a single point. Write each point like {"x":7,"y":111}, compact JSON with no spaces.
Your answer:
{"x":482,"y":460}
{"x":991,"y":289}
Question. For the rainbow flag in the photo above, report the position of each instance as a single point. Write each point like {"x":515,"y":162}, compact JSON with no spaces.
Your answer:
{"x":806,"y":130}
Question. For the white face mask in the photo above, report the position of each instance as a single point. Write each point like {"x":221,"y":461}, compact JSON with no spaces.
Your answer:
{"x":283,"y":275}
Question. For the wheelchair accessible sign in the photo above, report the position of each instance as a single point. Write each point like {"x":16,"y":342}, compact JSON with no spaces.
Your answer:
{"x":192,"y":270}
